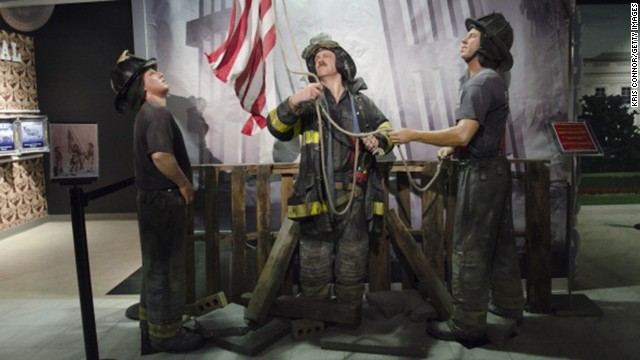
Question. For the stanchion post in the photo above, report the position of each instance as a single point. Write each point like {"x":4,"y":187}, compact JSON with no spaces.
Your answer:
{"x":77,"y":201}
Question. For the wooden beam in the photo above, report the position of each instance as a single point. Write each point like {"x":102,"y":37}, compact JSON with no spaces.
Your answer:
{"x":538,"y":230}
{"x":404,"y":212}
{"x":212,"y":231}
{"x":438,"y":293}
{"x":313,"y":309}
{"x":238,"y":226}
{"x":271,"y":277}
{"x":433,"y":220}
{"x":190,"y":258}
{"x":263,"y":216}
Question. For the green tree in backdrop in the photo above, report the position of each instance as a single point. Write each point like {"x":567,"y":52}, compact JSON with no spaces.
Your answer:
{"x":612,"y":123}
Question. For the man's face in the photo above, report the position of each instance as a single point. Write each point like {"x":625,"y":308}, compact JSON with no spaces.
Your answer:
{"x":325,"y":62}
{"x":154,"y":83}
{"x":470,"y":44}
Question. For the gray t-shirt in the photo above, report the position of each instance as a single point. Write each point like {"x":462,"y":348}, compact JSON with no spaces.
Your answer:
{"x":484,"y":97}
{"x":155,"y":130}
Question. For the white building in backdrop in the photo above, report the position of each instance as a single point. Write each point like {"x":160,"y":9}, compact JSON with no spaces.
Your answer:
{"x":608,"y":73}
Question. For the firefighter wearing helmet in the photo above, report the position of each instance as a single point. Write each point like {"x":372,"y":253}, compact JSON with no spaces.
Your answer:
{"x":485,"y":265}
{"x":339,"y":94}
{"x":163,"y":192}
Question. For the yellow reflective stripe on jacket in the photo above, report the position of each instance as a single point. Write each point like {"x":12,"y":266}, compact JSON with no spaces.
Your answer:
{"x":281,"y":127}
{"x":276,"y":123}
{"x":317,"y":208}
{"x":304,"y":210}
{"x":378,"y":208}
{"x":310,"y":137}
{"x":386,"y":125}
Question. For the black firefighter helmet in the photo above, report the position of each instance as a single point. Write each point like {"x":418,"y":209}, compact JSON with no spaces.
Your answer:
{"x":496,"y":40}
{"x":344,"y":63}
{"x":126,"y":81}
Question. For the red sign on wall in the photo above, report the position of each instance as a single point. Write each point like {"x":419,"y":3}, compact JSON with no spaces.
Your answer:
{"x":575,"y":137}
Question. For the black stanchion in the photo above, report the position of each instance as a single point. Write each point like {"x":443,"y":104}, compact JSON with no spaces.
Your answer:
{"x":78,"y":200}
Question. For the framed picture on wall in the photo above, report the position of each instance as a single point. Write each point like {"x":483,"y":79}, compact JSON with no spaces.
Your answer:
{"x":33,"y":134}
{"x":8,"y":138}
{"x":74,"y":156}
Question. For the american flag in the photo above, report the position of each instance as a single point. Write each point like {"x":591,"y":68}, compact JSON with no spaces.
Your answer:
{"x":241,"y":60}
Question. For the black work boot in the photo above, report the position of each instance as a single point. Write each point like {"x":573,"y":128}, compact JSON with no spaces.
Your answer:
{"x":444,"y":330}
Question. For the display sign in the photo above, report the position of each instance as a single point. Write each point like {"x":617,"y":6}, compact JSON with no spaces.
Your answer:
{"x":7,"y":138}
{"x":575,"y":137}
{"x":32,"y":133}
{"x":74,"y":152}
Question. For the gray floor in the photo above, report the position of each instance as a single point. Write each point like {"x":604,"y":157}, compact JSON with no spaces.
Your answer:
{"x":40,"y":316}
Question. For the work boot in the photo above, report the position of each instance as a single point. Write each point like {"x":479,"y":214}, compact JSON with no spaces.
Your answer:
{"x":444,"y":330}
{"x":133,"y":312}
{"x":185,"y":341}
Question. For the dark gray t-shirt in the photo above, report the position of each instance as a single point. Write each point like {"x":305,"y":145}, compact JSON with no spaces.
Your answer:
{"x":485,"y":98}
{"x":155,"y":130}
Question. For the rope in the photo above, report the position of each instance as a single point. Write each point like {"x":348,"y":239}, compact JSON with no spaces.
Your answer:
{"x":414,"y":185}
{"x":321,"y":111}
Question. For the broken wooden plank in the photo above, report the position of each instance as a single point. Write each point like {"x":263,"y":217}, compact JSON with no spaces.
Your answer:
{"x":271,"y":277}
{"x":227,"y":329}
{"x":313,"y":309}
{"x":254,"y":341}
{"x":421,"y":267}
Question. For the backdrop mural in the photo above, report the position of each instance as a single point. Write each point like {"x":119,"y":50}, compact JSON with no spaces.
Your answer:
{"x":406,"y":51}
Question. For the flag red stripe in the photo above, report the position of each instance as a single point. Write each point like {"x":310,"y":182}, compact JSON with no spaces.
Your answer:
{"x":249,"y":74}
{"x":234,"y":43}
{"x":241,"y":58}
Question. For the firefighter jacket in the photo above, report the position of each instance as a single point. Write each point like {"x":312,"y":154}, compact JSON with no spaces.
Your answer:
{"x":308,"y":203}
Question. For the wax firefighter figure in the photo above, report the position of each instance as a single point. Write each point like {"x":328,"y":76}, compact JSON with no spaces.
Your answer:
{"x":162,"y":177}
{"x":485,"y":271}
{"x":321,"y":230}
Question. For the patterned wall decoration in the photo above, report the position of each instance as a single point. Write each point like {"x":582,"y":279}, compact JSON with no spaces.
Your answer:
{"x":18,"y":91}
{"x":22,"y":192}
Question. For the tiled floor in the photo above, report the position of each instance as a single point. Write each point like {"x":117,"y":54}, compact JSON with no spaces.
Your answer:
{"x":40,"y":317}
